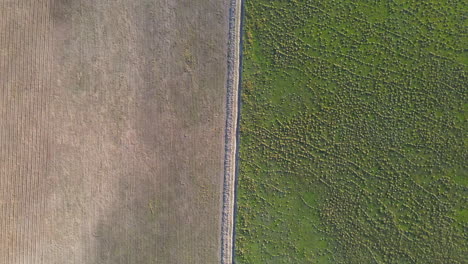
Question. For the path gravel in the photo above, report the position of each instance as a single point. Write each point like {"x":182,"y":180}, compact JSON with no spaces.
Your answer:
{"x":232,"y":117}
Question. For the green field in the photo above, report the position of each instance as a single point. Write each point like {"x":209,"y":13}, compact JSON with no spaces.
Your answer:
{"x":353,"y":132}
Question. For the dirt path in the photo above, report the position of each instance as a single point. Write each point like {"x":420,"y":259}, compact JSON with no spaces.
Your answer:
{"x":228,"y":217}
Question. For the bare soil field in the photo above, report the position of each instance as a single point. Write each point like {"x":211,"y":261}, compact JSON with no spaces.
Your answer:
{"x":112,"y":122}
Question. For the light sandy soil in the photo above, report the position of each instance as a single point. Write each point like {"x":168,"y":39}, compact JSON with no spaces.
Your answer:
{"x":232,"y":118}
{"x":112,"y":122}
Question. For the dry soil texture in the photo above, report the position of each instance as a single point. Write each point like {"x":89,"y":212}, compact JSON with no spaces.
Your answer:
{"x":112,"y":121}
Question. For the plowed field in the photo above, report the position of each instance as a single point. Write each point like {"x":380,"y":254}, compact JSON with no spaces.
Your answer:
{"x":112,"y":122}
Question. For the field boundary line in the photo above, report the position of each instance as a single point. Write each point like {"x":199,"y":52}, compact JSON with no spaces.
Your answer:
{"x":231,"y":131}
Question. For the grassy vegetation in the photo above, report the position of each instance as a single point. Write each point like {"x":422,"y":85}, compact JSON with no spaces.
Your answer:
{"x":353,"y":132}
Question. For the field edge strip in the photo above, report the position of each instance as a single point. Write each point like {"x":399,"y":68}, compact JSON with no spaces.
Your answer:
{"x":231,"y":131}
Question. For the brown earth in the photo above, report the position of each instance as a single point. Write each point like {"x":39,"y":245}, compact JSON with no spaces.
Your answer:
{"x":112,"y":118}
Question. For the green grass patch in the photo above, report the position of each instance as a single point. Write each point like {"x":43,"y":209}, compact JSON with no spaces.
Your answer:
{"x":353,"y":133}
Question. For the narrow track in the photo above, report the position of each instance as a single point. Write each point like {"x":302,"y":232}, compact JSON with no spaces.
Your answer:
{"x":231,"y":133}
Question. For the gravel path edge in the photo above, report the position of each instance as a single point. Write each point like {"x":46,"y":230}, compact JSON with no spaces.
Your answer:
{"x":231,"y":132}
